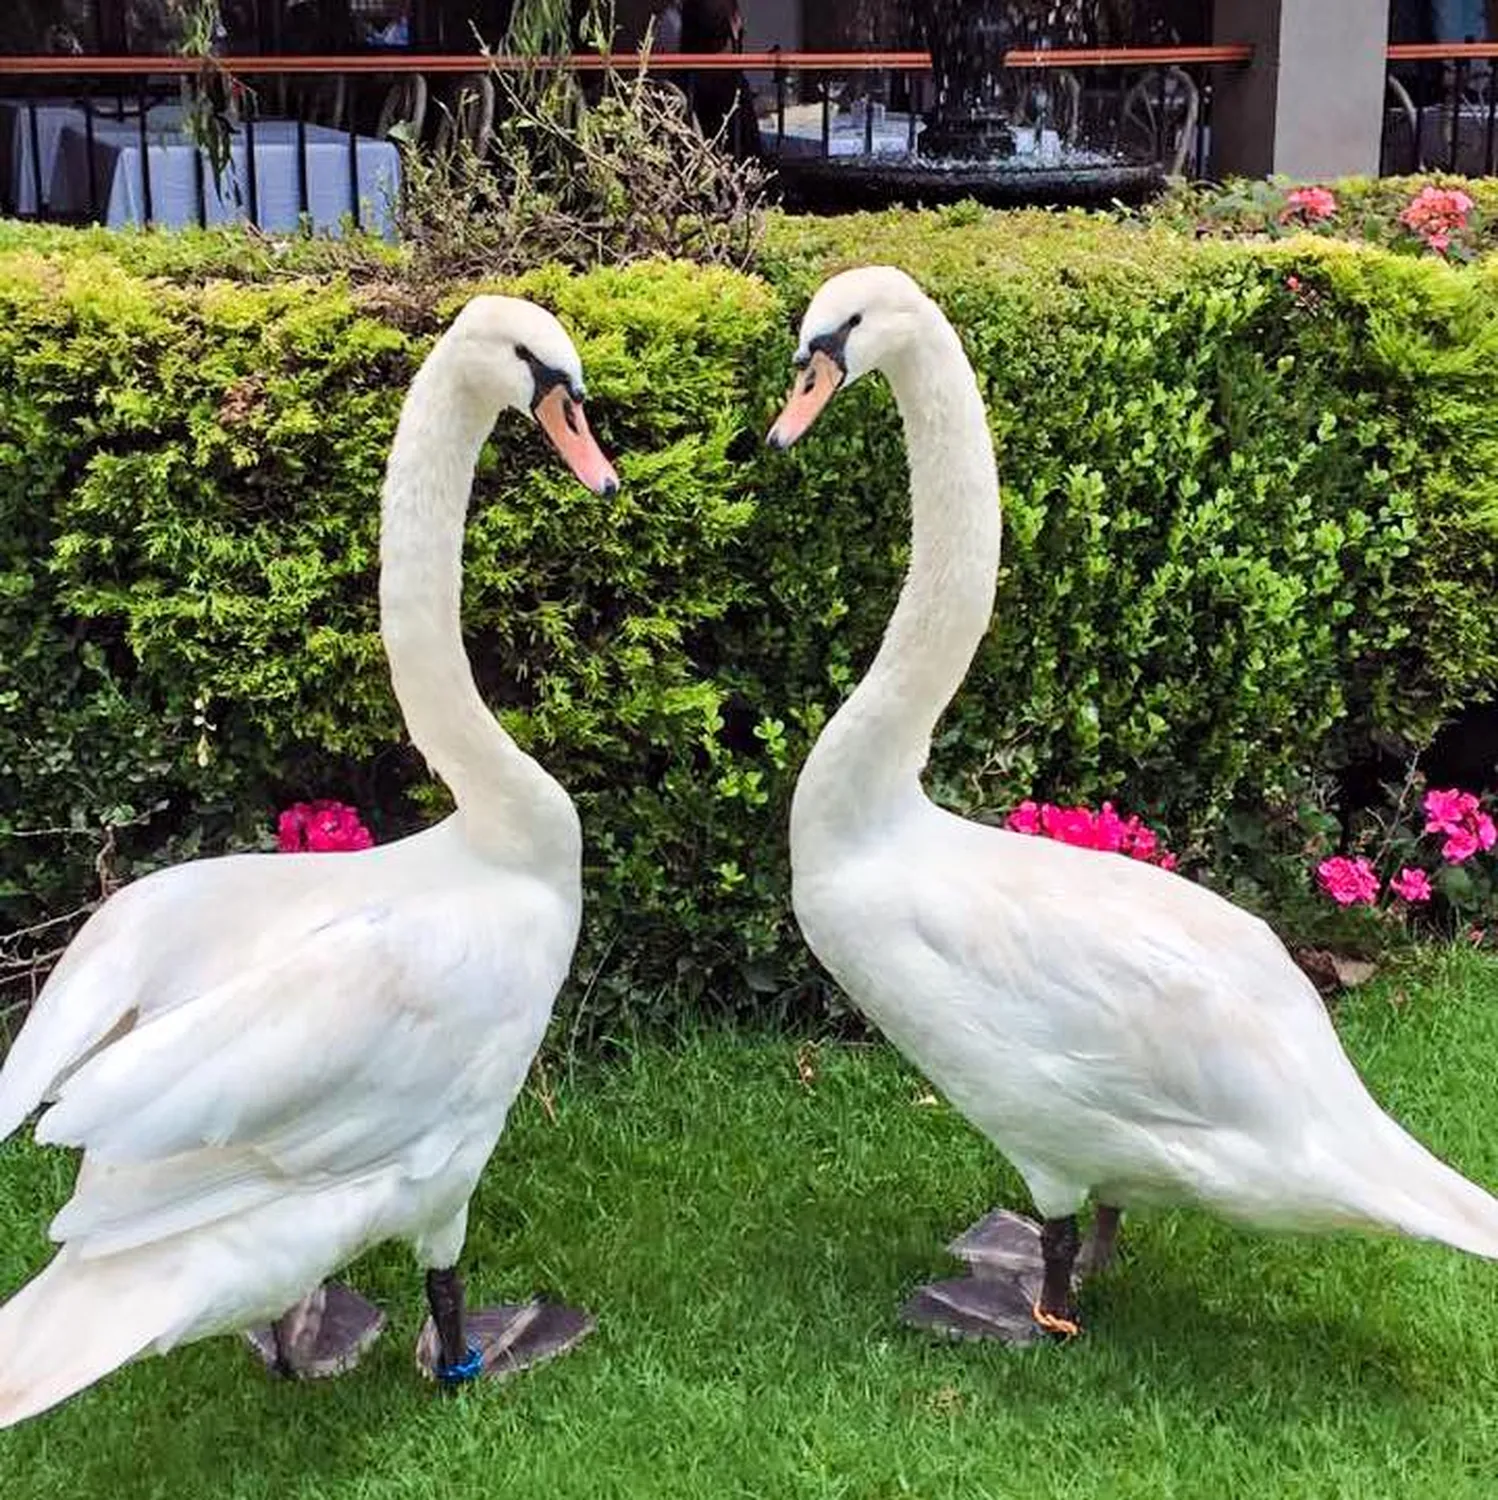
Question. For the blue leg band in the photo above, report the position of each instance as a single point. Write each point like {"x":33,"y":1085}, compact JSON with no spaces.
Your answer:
{"x":469,"y":1368}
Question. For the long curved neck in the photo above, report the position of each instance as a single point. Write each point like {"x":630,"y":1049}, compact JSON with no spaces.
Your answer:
{"x":509,"y":808}
{"x":870,"y":757}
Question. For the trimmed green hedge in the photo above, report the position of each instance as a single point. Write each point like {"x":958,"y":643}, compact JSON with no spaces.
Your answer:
{"x":1252,"y":515}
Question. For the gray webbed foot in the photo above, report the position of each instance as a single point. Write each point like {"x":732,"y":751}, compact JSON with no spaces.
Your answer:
{"x":976,"y":1307}
{"x":325,"y":1334}
{"x":504,"y":1340}
{"x":1021,"y":1282}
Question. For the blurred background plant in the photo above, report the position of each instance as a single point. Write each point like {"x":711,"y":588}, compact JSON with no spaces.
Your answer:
{"x":1453,"y":217}
{"x":581,"y":171}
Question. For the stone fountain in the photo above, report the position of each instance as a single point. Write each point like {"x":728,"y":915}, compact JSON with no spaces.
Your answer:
{"x":969,"y":145}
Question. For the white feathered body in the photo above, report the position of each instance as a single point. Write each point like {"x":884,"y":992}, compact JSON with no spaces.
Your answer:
{"x":302,"y":1057}
{"x":1117,"y":1031}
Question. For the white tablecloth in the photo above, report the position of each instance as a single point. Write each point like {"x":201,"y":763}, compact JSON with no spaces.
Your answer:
{"x":803,"y":133}
{"x":177,"y":166}
{"x":51,"y":116}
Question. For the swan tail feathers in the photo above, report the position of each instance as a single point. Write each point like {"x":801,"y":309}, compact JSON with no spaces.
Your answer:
{"x":1409,"y":1190}
{"x":74,"y":1323}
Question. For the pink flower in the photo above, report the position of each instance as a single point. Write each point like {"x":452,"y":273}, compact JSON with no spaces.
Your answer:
{"x":1411,"y":884}
{"x":1459,"y":846}
{"x":1310,"y":203}
{"x":321,"y":827}
{"x":1080,"y":826}
{"x":1349,"y":882}
{"x":1109,"y":831}
{"x":1447,"y":811}
{"x":1435,"y":214}
{"x":1024,"y":819}
{"x":1293,"y":282}
{"x":1460,"y":817}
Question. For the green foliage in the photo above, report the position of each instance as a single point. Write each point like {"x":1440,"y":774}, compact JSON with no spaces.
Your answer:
{"x":1251,"y":494}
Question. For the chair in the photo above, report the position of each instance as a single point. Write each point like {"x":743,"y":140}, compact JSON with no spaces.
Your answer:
{"x":404,"y":109}
{"x":1169,"y":131}
{"x":322,"y":100}
{"x":470,"y":116}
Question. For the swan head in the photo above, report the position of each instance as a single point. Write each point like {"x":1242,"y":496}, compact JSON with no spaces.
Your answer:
{"x":858,"y":321}
{"x":515,"y":354}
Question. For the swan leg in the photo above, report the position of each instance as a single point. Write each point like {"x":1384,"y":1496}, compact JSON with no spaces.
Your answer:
{"x":324,"y":1334}
{"x":1056,"y":1307}
{"x":1101,"y":1244}
{"x":458,"y":1345}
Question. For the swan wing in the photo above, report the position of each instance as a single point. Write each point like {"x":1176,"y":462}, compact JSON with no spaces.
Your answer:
{"x":1138,"y":995}
{"x":380,"y":1038}
{"x":94,"y":993}
{"x":155,"y":943}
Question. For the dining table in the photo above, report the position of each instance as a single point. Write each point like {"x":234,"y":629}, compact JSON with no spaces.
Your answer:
{"x":279,"y":174}
{"x":31,"y":130}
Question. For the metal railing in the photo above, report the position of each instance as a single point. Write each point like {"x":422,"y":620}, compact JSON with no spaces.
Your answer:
{"x":99,"y":116}
{"x":1441,"y":109}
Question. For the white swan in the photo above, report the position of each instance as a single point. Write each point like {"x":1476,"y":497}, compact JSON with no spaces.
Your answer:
{"x":1117,"y":1031}
{"x":272,"y":1064}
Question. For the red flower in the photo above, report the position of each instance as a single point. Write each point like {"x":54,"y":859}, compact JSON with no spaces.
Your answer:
{"x":1081,"y":827}
{"x":1435,"y":214}
{"x":321,"y":827}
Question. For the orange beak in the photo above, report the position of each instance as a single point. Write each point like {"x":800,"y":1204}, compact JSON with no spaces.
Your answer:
{"x":812,"y":391}
{"x":561,"y":418}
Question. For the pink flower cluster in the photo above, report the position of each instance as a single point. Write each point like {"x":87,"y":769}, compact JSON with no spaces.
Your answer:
{"x":1353,"y":882}
{"x":1456,"y":814}
{"x":1435,"y":214}
{"x":1310,"y":204}
{"x":1466,"y":826}
{"x":321,"y":827}
{"x":1081,"y":826}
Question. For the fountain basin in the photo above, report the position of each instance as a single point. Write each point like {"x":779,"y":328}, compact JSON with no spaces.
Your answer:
{"x":842,"y":183}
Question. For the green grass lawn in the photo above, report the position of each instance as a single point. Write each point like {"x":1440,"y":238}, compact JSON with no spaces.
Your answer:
{"x":745,"y":1238}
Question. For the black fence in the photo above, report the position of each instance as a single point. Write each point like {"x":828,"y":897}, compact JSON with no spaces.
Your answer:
{"x":1441,"y":110}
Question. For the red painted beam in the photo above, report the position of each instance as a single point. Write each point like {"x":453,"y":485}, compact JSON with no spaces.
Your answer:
{"x":791,"y":62}
{"x":1441,"y":51}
